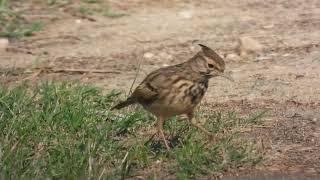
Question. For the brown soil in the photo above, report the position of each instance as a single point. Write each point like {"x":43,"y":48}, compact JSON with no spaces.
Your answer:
{"x":283,"y":78}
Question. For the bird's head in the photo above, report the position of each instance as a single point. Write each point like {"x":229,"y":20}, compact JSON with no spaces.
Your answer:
{"x":209,"y":63}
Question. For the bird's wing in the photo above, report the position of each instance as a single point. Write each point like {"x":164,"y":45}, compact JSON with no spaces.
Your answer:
{"x":145,"y":93}
{"x":156,"y":84}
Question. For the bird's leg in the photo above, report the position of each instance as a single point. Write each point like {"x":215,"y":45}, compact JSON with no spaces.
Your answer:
{"x":197,"y":125}
{"x":160,"y":131}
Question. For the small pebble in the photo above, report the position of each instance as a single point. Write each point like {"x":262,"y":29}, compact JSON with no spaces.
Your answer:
{"x":248,"y":45}
{"x":148,"y":55}
{"x":4,"y":43}
{"x":232,"y":57}
{"x":186,"y":14}
{"x":268,"y":26}
{"x":78,"y":21}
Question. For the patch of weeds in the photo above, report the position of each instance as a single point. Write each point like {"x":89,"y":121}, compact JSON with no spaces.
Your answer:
{"x":4,"y":3}
{"x":57,"y":2}
{"x":113,"y":14}
{"x":55,"y":130}
{"x":102,"y":11}
{"x":198,"y":158}
{"x":136,"y":157}
{"x":90,"y":1}
{"x":65,"y":130}
{"x":13,"y":25}
{"x":85,"y":10}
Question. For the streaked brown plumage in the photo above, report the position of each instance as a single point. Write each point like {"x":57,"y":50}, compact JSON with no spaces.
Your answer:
{"x":177,"y":89}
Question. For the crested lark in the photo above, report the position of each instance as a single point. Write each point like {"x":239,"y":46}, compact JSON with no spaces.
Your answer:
{"x":177,"y":89}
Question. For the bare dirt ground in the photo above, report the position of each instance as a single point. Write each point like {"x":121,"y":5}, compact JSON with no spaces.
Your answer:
{"x":284,"y":77}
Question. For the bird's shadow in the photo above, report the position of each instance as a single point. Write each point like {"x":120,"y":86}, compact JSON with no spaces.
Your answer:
{"x":157,"y":145}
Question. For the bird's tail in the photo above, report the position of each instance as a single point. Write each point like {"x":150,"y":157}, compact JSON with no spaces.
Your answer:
{"x":125,"y":103}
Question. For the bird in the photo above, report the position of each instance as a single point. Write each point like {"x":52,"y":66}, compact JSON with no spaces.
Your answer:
{"x":177,"y":89}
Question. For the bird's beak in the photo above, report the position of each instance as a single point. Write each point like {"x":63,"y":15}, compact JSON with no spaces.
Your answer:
{"x":227,"y":76}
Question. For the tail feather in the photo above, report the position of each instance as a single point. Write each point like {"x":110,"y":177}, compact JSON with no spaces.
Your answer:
{"x":123,"y":104}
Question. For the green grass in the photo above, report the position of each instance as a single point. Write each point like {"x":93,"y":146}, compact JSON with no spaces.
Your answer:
{"x":65,"y":130}
{"x":12,"y":23}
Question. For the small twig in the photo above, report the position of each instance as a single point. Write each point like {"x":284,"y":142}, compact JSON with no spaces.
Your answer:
{"x":83,"y":71}
{"x":52,"y":70}
{"x":35,"y":39}
{"x":138,"y":40}
{"x":125,"y":158}
{"x":20,"y":50}
{"x":83,"y":16}
{"x":34,"y":75}
{"x":89,"y":163}
{"x":150,"y":139}
{"x":103,"y":171}
{"x":147,"y":41}
{"x":14,"y":147}
{"x":135,"y":78}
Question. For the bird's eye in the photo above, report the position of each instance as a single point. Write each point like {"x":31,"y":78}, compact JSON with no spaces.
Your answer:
{"x":210,"y":65}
